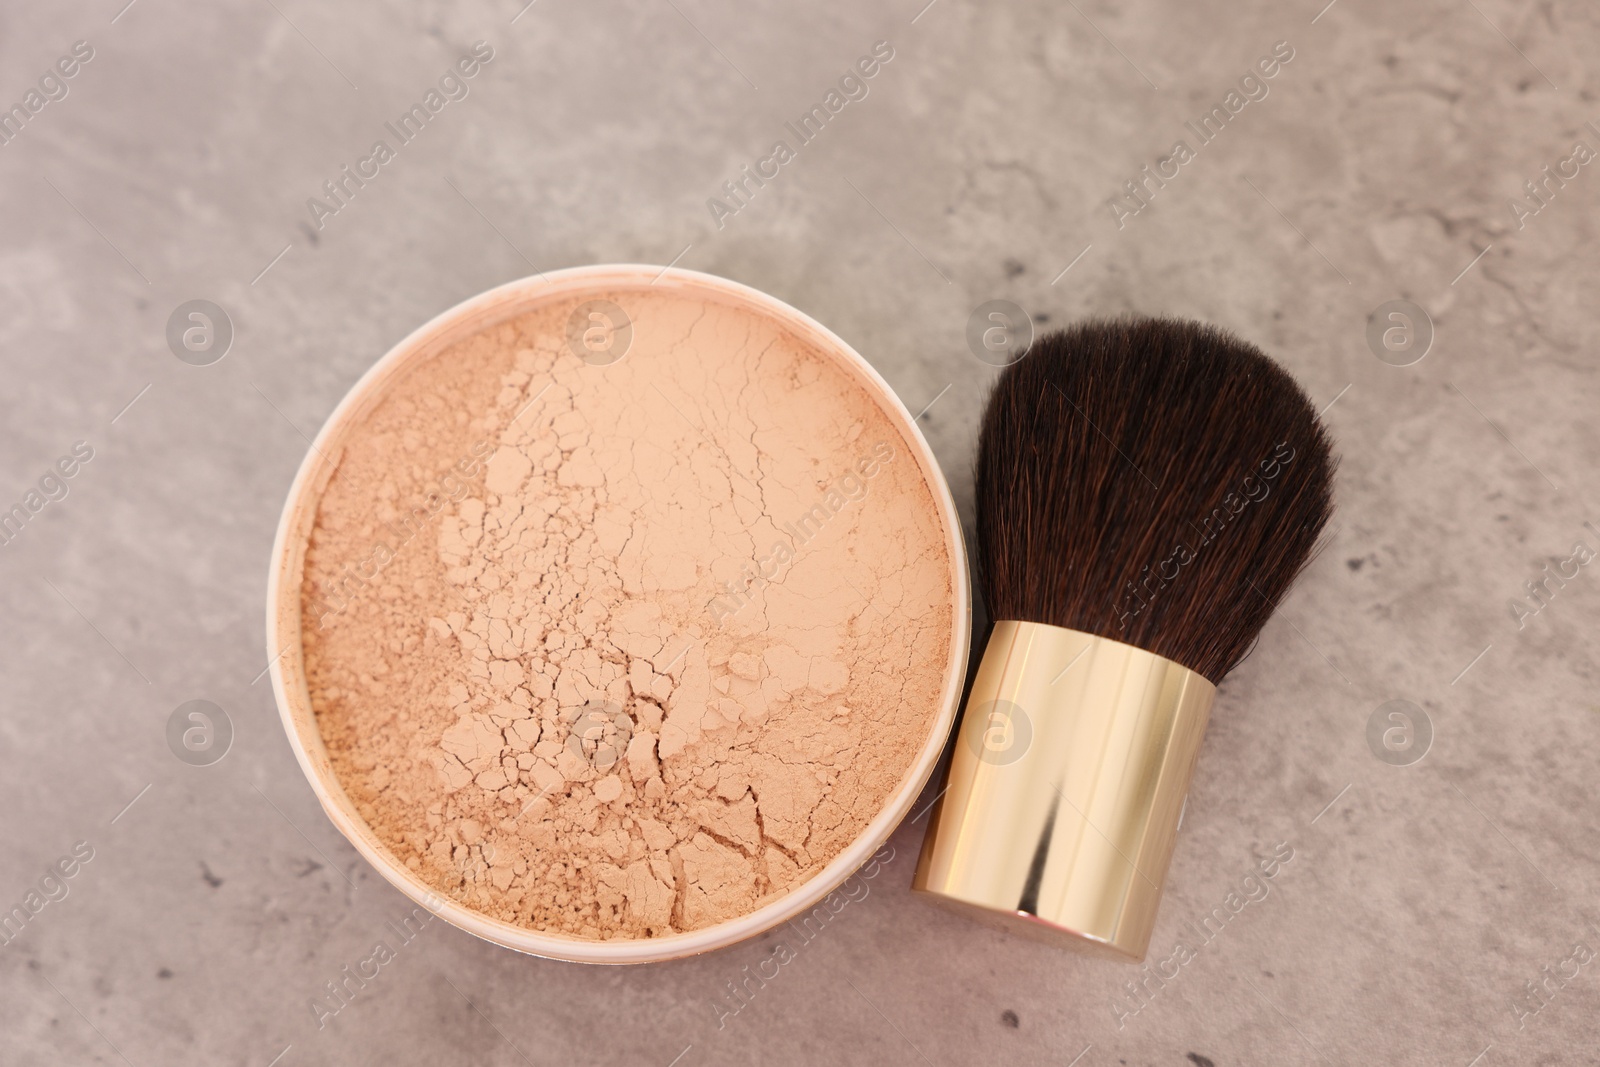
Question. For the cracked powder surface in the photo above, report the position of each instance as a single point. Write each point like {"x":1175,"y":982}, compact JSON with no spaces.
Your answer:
{"x":620,"y":651}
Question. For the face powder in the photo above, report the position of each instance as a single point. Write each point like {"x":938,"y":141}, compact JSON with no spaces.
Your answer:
{"x":620,"y":648}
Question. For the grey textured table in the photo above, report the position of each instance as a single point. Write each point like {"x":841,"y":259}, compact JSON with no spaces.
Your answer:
{"x":1434,"y":910}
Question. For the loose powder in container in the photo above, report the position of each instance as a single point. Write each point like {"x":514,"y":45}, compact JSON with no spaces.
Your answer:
{"x":625,"y":649}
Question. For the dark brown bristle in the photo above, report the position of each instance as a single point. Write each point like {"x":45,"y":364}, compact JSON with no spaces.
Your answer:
{"x":1157,"y":482}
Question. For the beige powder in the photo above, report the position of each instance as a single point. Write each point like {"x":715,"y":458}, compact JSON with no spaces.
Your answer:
{"x":625,"y":650}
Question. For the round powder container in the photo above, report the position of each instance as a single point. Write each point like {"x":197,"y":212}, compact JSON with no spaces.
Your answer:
{"x":618,"y":614}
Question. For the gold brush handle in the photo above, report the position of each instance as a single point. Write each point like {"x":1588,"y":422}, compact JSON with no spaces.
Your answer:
{"x":1066,"y":787}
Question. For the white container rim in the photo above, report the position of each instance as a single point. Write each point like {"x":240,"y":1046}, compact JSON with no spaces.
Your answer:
{"x":284,"y":611}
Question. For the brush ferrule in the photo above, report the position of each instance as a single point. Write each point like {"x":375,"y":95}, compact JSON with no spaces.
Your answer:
{"x":1066,"y":787}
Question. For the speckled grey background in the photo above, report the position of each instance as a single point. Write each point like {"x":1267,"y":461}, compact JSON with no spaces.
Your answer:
{"x":1421,"y":901}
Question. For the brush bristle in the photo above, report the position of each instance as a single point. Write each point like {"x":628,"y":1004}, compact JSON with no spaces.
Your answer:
{"x":1154,"y":481}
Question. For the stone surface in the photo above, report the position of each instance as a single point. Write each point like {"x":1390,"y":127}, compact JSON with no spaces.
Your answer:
{"x":1420,"y":900}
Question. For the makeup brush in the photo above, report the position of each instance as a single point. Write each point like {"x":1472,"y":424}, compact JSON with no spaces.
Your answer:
{"x":1148,"y":490}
